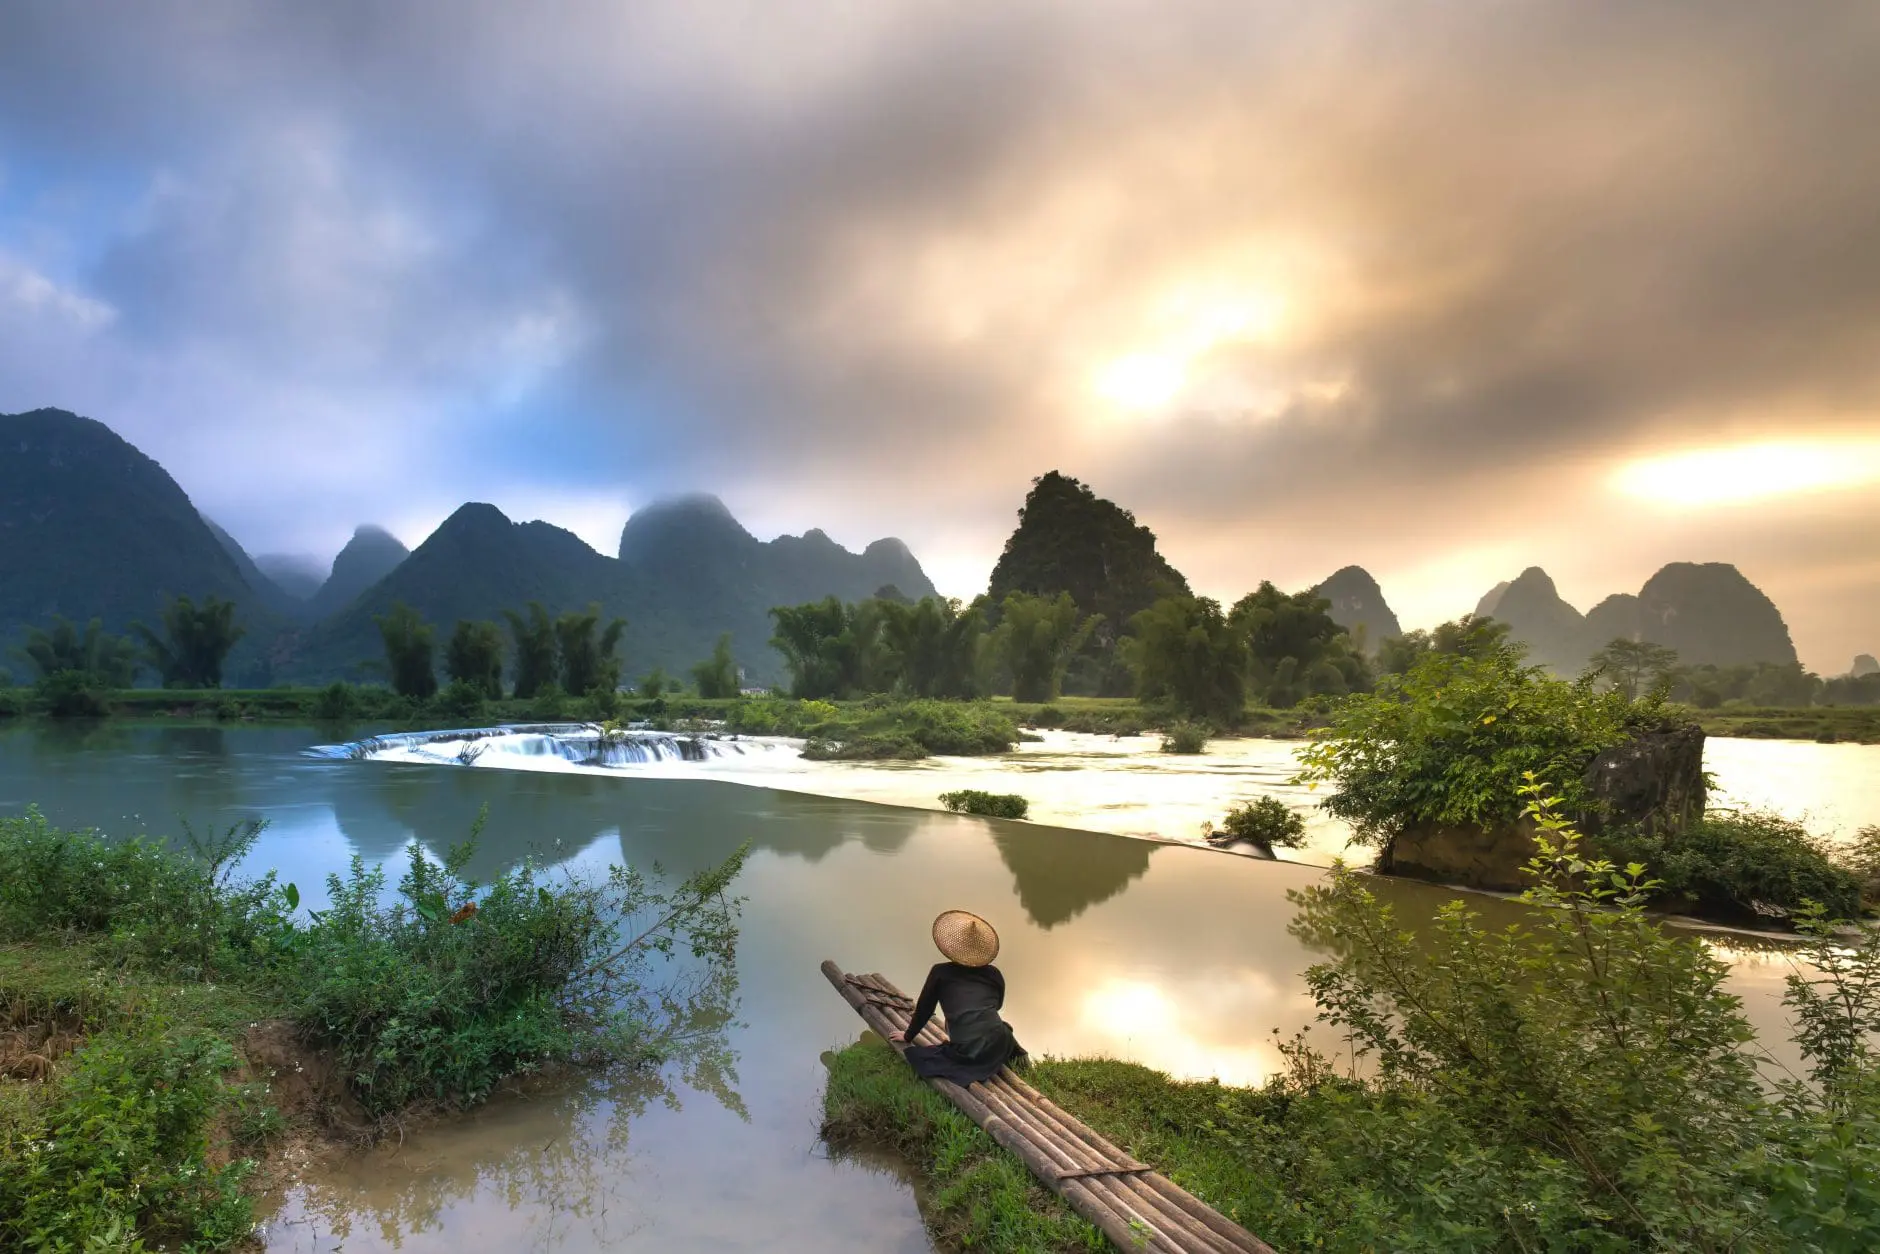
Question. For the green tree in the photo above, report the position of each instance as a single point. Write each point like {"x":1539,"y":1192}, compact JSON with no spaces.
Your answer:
{"x":933,"y":646}
{"x":474,"y":656}
{"x":534,"y":638}
{"x":1471,"y":635}
{"x":1294,"y":649}
{"x":195,"y":642}
{"x":1634,"y":666}
{"x":831,"y":650}
{"x":1186,"y":654}
{"x":107,"y":661}
{"x":717,"y":676}
{"x":589,"y":652}
{"x":656,"y":683}
{"x":1036,"y":639}
{"x":408,"y":647}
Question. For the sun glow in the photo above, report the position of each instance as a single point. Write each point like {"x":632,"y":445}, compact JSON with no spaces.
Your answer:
{"x":1186,"y":325}
{"x":1751,"y":472}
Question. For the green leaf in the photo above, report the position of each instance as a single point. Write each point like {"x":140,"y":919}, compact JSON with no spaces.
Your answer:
{"x":292,"y":893}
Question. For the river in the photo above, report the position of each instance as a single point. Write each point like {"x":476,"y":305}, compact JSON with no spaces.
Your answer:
{"x":1173,"y":955}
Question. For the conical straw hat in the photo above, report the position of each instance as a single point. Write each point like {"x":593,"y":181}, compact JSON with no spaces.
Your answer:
{"x":966,"y":938}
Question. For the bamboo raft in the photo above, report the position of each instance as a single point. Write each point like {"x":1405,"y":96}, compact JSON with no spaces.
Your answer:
{"x":1135,"y":1206}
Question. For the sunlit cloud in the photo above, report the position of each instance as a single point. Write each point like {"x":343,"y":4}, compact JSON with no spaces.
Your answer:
{"x":1696,"y":478}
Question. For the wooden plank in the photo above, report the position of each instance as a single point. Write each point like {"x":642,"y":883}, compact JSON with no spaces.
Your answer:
{"x":1135,"y":1206}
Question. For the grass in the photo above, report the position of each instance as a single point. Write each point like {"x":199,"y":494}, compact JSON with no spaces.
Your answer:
{"x":1826,"y":724}
{"x":982,"y":1198}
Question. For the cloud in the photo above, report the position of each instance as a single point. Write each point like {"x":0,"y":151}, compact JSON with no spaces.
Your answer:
{"x":1301,"y":284}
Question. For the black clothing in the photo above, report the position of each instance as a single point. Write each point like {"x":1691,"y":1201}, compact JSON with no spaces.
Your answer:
{"x":978,"y":1042}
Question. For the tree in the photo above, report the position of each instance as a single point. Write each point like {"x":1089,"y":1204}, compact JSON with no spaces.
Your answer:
{"x":196,"y":641}
{"x":534,"y":638}
{"x":717,"y":676}
{"x":1186,"y":654}
{"x":474,"y":656}
{"x":933,"y":646}
{"x":1469,"y":635}
{"x":1036,"y":639}
{"x":1634,"y":666}
{"x":1295,"y":649}
{"x":408,"y":646}
{"x":589,"y":652}
{"x":831,"y":649}
{"x":105,"y":660}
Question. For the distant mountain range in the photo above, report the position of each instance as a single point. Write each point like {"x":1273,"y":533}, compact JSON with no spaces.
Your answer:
{"x":91,"y":527}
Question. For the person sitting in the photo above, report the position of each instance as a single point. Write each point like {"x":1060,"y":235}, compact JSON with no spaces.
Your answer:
{"x":971,"y":991}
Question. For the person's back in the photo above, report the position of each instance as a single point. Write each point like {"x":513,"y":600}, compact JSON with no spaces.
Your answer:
{"x":971,"y":992}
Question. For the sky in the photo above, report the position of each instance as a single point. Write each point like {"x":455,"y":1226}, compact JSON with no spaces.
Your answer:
{"x":1444,"y":290}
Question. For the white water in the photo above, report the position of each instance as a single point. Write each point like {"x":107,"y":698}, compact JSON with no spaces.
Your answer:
{"x":1119,"y":784}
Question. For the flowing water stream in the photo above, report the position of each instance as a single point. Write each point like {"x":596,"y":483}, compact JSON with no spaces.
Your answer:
{"x":1169,"y":954}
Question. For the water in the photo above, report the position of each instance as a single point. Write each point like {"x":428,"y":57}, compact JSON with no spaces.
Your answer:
{"x":1172,"y":955}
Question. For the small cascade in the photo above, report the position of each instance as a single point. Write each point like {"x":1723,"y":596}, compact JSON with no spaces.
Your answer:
{"x":516,"y":745}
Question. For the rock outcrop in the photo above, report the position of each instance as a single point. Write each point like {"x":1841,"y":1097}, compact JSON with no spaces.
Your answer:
{"x":1711,"y":615}
{"x":1864,"y":664}
{"x":1359,"y":607}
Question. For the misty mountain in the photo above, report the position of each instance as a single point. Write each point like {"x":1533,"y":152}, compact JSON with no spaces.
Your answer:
{"x":299,"y":575}
{"x":91,"y":527}
{"x":1711,"y":614}
{"x":1554,"y":631}
{"x":265,"y":589}
{"x":1359,"y":607}
{"x":1069,"y":539}
{"x":688,"y":570}
{"x":1707,"y":612}
{"x":368,"y":557}
{"x":1864,"y":664}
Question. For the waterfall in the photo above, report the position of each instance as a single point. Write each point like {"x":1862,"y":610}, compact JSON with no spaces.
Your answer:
{"x":538,"y":744}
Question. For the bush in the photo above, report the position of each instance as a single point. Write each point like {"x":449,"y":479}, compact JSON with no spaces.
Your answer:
{"x":460,"y":699}
{"x":118,"y":1151}
{"x":1265,"y":821}
{"x":73,"y":694}
{"x":996,"y":805}
{"x":1743,"y":866}
{"x":337,"y":702}
{"x":1451,"y":741}
{"x":12,"y":705}
{"x":1186,"y":738}
{"x":549,"y":704}
{"x":904,"y":729}
{"x":865,"y":748}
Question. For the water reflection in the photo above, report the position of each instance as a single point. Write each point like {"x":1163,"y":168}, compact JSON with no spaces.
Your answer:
{"x":1059,"y":874}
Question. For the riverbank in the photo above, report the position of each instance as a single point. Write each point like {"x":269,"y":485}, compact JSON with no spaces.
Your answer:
{"x":167,"y":1026}
{"x":1586,"y":1087}
{"x":348,"y":705}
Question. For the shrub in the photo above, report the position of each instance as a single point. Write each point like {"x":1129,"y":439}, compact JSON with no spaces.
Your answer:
{"x":337,"y":702}
{"x":549,"y":704}
{"x":1743,"y":866}
{"x":1265,"y":821}
{"x":864,"y":748}
{"x":1185,"y":737}
{"x":460,"y":699}
{"x":996,"y":805}
{"x":119,"y":1151}
{"x":765,"y":716}
{"x":1450,"y":741}
{"x":12,"y":705}
{"x":1862,"y":859}
{"x":73,"y":694}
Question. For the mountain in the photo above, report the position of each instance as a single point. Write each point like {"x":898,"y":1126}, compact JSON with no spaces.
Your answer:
{"x":299,"y":575}
{"x":688,"y":571}
{"x":91,"y":527}
{"x":1069,"y":539}
{"x":1359,"y":607}
{"x":1554,"y":631}
{"x":691,"y":571}
{"x":267,"y":590}
{"x":1711,"y":614}
{"x":1615,"y":618}
{"x":1491,"y":600}
{"x":1864,"y":664}
{"x":368,"y":557}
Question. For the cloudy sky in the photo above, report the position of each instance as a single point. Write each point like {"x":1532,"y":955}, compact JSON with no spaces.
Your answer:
{"x":1445,"y":290}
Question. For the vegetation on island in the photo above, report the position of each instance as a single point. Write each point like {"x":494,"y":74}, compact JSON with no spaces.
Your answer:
{"x":996,"y":805}
{"x":1580,"y":1081}
{"x":148,"y":989}
{"x":1267,"y":823}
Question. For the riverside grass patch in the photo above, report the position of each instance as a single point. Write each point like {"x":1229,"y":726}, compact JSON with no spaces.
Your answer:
{"x":148,"y":963}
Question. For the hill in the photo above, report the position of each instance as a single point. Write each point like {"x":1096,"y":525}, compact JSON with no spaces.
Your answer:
{"x":91,"y":527}
{"x":297,"y":574}
{"x":1069,"y":539}
{"x":1554,"y":631}
{"x":368,"y":557}
{"x":688,"y":570}
{"x":1359,"y":607}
